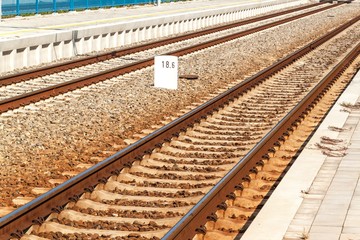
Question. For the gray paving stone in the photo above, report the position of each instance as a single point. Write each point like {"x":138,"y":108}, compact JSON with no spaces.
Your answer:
{"x":355,"y":199}
{"x":310,"y":205}
{"x":312,"y":201}
{"x":333,"y":162}
{"x":341,"y":187}
{"x":302,"y":222}
{"x":341,"y":197}
{"x":353,"y":149}
{"x":320,"y":185}
{"x":340,"y":192}
{"x":326,"y":173}
{"x":353,"y":156}
{"x":318,"y":191}
{"x":329,"y":220}
{"x":352,"y":220}
{"x":350,"y":160}
{"x":294,"y":235}
{"x":347,"y":174}
{"x":332,"y":167}
{"x":305,"y":216}
{"x":313,"y":196}
{"x":353,"y":211}
{"x":325,"y":229}
{"x":298,"y":229}
{"x":356,"y":137}
{"x":352,"y":230}
{"x":336,"y":210}
{"x":354,"y":205}
{"x":357,"y":191}
{"x":323,"y":236}
{"x":332,"y":202}
{"x":352,"y":120}
{"x":307,"y":210}
{"x":349,"y":168}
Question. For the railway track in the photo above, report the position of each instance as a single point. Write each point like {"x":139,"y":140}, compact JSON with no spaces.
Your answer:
{"x":146,"y":188}
{"x":47,"y":153}
{"x":16,"y":95}
{"x":224,"y":213}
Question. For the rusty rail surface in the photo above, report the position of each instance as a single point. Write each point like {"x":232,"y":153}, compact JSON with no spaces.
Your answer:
{"x":27,"y":98}
{"x":193,"y":222}
{"x":14,"y":78}
{"x":14,"y":223}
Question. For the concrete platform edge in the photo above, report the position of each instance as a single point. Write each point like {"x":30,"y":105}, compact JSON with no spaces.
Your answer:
{"x":33,"y":46}
{"x":274,"y":218}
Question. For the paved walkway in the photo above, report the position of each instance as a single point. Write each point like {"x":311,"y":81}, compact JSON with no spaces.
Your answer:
{"x":319,"y":198}
{"x":331,"y":210}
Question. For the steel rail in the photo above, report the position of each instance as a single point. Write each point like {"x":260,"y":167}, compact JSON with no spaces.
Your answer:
{"x":26,"y":75}
{"x":42,"y":206}
{"x":195,"y":219}
{"x":51,"y":91}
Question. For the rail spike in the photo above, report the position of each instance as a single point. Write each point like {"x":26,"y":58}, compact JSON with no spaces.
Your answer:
{"x":222,"y":206}
{"x":183,"y":129}
{"x":272,"y":150}
{"x":38,"y":221}
{"x":57,"y":209}
{"x":116,"y":172}
{"x":265,"y":156}
{"x":212,"y":217}
{"x":102,"y":180}
{"x":158,"y":145}
{"x":138,"y":157}
{"x":148,"y":151}
{"x":260,"y":163}
{"x":127,"y":165}
{"x":231,"y":196}
{"x":17,"y":234}
{"x":254,"y":170}
{"x":239,"y":187}
{"x":74,"y":198}
{"x":201,"y":230}
{"x":247,"y":178}
{"x":90,"y":189}
{"x":282,"y":139}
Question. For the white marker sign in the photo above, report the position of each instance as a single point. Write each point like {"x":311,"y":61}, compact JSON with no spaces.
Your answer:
{"x":166,"y":72}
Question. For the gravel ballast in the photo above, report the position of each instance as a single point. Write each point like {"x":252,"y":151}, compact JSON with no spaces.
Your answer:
{"x":53,"y":136}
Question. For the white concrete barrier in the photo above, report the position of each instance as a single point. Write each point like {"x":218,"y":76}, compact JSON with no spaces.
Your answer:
{"x":44,"y":48}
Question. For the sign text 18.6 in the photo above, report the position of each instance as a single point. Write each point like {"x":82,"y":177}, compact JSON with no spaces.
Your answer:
{"x":168,"y":64}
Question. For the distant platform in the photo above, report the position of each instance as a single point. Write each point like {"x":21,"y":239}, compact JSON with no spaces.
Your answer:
{"x":33,"y":40}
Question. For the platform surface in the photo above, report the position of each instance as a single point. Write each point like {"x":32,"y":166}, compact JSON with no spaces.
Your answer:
{"x":319,"y":197}
{"x":16,"y":27}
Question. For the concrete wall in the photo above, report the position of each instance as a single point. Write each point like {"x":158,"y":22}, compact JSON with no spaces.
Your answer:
{"x":34,"y":50}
